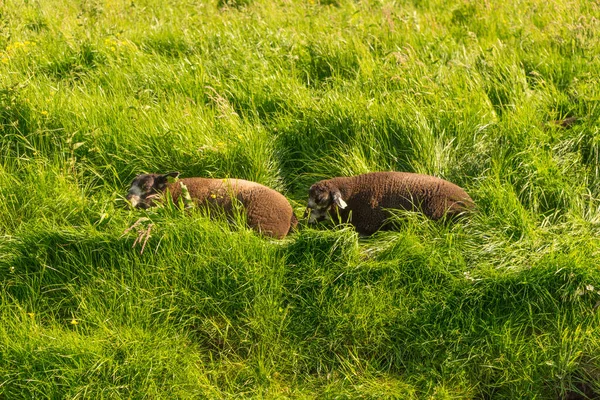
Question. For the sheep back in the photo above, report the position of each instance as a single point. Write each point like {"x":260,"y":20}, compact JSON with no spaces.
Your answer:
{"x":267,"y":211}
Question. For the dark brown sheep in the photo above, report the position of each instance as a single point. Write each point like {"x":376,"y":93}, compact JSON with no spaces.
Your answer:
{"x":364,"y":200}
{"x":267,"y":211}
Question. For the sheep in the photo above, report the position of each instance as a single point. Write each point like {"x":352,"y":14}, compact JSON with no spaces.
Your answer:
{"x":267,"y":211}
{"x":365,"y":200}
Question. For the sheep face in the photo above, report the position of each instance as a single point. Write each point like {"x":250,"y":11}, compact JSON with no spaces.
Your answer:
{"x":146,"y":187}
{"x":321,"y":198}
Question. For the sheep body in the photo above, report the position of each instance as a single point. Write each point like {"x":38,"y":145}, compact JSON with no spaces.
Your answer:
{"x":267,"y":211}
{"x":364,"y":200}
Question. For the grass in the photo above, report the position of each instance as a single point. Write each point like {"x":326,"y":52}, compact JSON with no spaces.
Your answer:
{"x":285,"y":93}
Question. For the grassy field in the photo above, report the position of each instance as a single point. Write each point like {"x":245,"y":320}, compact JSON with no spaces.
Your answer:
{"x":500,"y":306}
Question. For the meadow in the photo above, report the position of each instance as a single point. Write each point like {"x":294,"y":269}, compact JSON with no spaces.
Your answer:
{"x":499,"y":97}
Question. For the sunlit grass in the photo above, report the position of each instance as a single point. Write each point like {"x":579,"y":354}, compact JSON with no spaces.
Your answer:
{"x":501,"y":98}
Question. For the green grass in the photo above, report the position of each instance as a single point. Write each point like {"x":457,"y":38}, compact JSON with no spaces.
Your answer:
{"x":503,"y":305}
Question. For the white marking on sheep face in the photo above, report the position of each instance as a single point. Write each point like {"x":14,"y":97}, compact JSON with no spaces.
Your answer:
{"x":317,"y":214}
{"x":135,"y":194}
{"x":135,"y":191}
{"x":318,"y":211}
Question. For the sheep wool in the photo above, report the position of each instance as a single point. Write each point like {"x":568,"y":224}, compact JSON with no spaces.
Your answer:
{"x":365,"y":200}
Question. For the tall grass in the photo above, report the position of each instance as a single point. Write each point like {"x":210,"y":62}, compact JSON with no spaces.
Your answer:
{"x":503,"y":305}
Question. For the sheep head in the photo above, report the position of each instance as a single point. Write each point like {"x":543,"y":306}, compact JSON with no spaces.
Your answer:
{"x":146,"y":187}
{"x":322,"y":196}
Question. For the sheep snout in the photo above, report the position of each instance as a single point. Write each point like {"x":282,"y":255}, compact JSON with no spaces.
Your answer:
{"x":134,"y":196}
{"x":133,"y":200}
{"x":316,"y":214}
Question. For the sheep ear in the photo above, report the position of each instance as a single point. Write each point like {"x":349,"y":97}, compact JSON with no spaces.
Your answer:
{"x":337,"y":199}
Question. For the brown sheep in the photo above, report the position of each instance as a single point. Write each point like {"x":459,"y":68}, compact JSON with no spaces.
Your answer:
{"x":267,"y":211}
{"x":364,"y":200}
